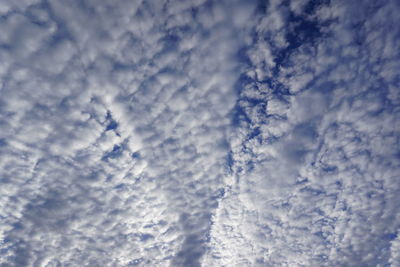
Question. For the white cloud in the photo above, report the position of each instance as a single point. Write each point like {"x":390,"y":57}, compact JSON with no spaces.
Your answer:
{"x":315,"y":180}
{"x":116,"y":117}
{"x":135,"y":133}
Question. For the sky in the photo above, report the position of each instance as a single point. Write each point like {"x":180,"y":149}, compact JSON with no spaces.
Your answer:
{"x":199,"y":133}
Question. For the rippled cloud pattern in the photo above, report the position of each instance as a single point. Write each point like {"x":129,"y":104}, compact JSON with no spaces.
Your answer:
{"x":199,"y":133}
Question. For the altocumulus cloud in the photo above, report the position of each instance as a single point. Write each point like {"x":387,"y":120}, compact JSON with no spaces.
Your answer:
{"x":199,"y":133}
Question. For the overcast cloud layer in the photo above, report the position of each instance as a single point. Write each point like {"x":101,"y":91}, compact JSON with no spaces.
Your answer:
{"x":199,"y":133}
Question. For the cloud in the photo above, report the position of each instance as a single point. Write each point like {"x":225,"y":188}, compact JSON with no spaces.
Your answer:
{"x":199,"y":133}
{"x":314,"y":156}
{"x":116,"y":117}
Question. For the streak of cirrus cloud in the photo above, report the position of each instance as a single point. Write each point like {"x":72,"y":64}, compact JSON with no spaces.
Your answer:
{"x":199,"y":133}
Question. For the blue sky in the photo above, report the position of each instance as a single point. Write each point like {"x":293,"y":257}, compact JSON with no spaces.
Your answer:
{"x":199,"y":133}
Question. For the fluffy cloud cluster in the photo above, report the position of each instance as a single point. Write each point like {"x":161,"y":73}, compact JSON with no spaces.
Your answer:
{"x":114,"y":120}
{"x":316,"y":154}
{"x":199,"y":133}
